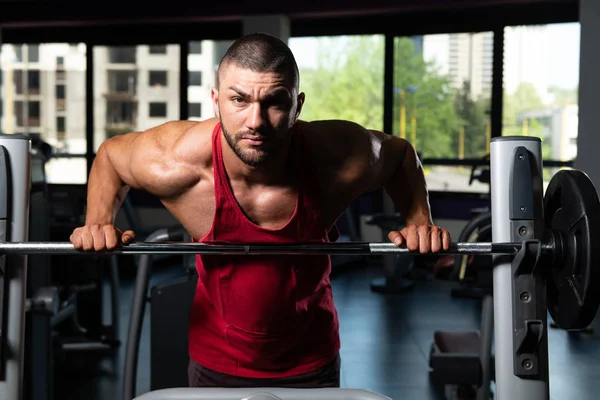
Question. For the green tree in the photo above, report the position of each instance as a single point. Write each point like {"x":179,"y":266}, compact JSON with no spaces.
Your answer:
{"x":565,"y":97}
{"x":347,"y":82}
{"x":524,"y":99}
{"x":472,"y":119}
{"x":427,"y":97}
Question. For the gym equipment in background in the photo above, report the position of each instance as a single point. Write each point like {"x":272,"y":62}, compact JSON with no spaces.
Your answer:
{"x":474,"y":273}
{"x":170,"y":304}
{"x":462,"y":363}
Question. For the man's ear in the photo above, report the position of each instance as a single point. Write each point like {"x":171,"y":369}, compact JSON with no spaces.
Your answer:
{"x":301,"y":98}
{"x":214,"y":96}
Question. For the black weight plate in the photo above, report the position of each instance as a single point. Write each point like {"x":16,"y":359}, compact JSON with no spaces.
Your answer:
{"x":571,"y":207}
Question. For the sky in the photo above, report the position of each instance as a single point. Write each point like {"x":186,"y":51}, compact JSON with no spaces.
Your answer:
{"x":563,"y":65}
{"x":564,"y":59}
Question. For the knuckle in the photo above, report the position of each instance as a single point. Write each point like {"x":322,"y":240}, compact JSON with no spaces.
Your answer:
{"x":94,"y":227}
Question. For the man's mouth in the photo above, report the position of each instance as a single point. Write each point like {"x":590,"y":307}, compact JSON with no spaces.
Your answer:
{"x":254,"y":140}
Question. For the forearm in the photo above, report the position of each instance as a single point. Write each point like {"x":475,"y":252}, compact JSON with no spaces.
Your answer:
{"x":106,"y":190}
{"x":408,"y":190}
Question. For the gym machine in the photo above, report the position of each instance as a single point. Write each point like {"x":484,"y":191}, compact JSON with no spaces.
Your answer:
{"x":39,"y":344}
{"x":170,"y":303}
{"x":543,"y":262}
{"x":478,"y":229}
{"x":462,"y":363}
{"x":79,"y":327}
{"x":474,"y":273}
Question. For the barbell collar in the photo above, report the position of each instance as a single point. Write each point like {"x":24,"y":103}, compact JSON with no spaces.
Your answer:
{"x":343,"y":248}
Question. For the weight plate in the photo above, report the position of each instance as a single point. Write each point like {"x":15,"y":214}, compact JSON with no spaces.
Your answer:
{"x":572,"y":208}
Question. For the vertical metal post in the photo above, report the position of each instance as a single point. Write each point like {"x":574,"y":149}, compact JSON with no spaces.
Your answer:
{"x":508,"y":188}
{"x":19,"y":175}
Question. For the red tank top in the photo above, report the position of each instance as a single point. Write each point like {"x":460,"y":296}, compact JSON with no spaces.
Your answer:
{"x":263,"y":316}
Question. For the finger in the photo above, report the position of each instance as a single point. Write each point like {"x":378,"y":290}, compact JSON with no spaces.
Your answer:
{"x":396,"y":238}
{"x":446,"y":239}
{"x":424,"y":239}
{"x":110,"y":237}
{"x":411,"y":235}
{"x":99,"y":239}
{"x":436,"y":239}
{"x":128,"y":237}
{"x":74,"y":238}
{"x":87,"y":241}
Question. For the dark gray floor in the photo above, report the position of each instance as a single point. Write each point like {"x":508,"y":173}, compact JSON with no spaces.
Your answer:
{"x":385,"y":343}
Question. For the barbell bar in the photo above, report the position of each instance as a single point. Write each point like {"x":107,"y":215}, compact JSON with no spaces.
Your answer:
{"x":343,"y":248}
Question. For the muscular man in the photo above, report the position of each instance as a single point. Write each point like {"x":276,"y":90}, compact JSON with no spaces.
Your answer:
{"x":258,"y":174}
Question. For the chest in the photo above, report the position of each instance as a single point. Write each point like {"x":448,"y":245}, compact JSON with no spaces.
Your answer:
{"x":267,"y":206}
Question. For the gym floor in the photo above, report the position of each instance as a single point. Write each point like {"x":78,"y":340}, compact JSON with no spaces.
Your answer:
{"x":385,"y":343}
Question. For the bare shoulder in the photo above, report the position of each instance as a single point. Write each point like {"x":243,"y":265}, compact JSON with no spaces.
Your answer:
{"x":168,"y":158}
{"x":351,"y":154}
{"x":194,"y":144}
{"x":336,"y":141}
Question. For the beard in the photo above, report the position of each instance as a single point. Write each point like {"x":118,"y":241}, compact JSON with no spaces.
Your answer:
{"x":256,"y":156}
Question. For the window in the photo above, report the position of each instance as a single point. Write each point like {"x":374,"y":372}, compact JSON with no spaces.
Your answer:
{"x":342,"y":77}
{"x":158,"y":110}
{"x":72,"y":170}
{"x":121,"y":82}
{"x":18,"y":118}
{"x":33,"y":104}
{"x":18,"y":49}
{"x":195,"y":110}
{"x":33,"y":82}
{"x":122,"y":94}
{"x":541,"y":81}
{"x":195,"y":48}
{"x":60,"y":125}
{"x":157,"y":78}
{"x":33,"y":113}
{"x":442,"y":102}
{"x":60,"y":92}
{"x":195,"y":78}
{"x":33,"y":53}
{"x":18,"y":80}
{"x":201,"y":75}
{"x":118,"y":55}
{"x":121,"y":113}
{"x":160,"y":49}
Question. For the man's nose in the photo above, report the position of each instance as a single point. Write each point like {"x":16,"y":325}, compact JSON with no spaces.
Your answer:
{"x":256,"y":118}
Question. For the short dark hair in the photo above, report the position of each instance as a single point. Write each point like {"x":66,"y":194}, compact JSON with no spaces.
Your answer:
{"x":261,"y":52}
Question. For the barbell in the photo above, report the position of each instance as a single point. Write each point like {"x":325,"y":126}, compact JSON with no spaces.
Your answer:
{"x":342,"y":248}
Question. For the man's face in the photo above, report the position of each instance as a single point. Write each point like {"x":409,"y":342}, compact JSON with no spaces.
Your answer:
{"x":256,"y":111}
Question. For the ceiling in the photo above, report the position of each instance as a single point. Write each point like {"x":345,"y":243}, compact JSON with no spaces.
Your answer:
{"x":17,"y":14}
